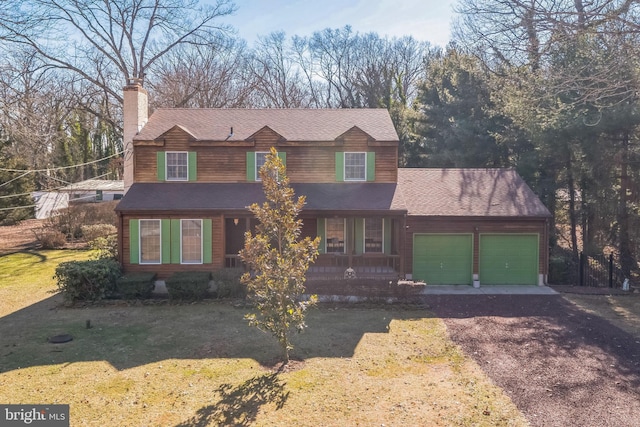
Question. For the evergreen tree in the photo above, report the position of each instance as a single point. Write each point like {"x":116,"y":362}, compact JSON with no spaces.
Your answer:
{"x":277,"y":259}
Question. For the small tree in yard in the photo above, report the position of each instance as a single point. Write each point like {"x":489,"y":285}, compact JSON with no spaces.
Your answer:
{"x":277,"y":259}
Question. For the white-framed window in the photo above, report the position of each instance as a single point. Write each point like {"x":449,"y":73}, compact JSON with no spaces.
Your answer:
{"x":177,"y":165}
{"x":355,"y":166}
{"x":334,"y":235}
{"x":191,"y":241}
{"x":150,"y":238}
{"x":373,"y":235}
{"x":261,"y":159}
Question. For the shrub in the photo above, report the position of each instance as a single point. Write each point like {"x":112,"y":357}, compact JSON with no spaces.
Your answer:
{"x":87,"y":280}
{"x":50,"y":239}
{"x":136,"y":285}
{"x":69,"y":221}
{"x":94,"y":231}
{"x":228,"y":283}
{"x":105,"y":247}
{"x":188,"y":285}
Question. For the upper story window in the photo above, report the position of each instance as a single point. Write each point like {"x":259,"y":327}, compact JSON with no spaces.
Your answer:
{"x":261,"y":159}
{"x":177,"y":166}
{"x":355,"y":166}
{"x":257,"y":159}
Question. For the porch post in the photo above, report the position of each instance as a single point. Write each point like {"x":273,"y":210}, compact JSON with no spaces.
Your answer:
{"x":403,"y":240}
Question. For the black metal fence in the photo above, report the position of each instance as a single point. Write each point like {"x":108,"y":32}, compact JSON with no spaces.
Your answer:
{"x":599,"y":271}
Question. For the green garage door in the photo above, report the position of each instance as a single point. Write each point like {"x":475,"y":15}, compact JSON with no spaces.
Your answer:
{"x":508,"y":259}
{"x":443,"y":259}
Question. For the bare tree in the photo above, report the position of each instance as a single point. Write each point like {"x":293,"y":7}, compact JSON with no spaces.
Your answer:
{"x":130,"y":35}
{"x":203,"y":77}
{"x":277,"y":78}
{"x":33,"y":104}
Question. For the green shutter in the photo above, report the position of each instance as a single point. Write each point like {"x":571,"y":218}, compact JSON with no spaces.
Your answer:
{"x":251,"y":166}
{"x":206,"y":241}
{"x":193,"y":166}
{"x":283,"y":157}
{"x":160,"y":164}
{"x":359,"y":235}
{"x":339,"y":166}
{"x":99,"y":195}
{"x":134,"y":241}
{"x":387,"y":235}
{"x":175,"y":241}
{"x":320,"y":233}
{"x":371,"y":166}
{"x":165,"y":244}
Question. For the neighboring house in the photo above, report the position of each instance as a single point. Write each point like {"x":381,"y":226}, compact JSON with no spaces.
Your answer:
{"x":94,"y":190}
{"x":48,"y":203}
{"x":191,"y":173}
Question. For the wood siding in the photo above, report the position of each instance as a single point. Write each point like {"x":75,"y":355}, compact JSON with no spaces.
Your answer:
{"x":306,"y":161}
{"x":478,"y":226}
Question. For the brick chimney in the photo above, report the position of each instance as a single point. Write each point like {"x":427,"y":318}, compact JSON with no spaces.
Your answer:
{"x":136,"y":114}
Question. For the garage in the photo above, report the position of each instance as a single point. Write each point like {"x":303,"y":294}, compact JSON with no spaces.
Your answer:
{"x":443,"y":259}
{"x":508,"y":259}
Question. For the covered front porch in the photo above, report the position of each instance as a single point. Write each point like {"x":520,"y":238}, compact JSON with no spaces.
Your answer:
{"x":351,"y":246}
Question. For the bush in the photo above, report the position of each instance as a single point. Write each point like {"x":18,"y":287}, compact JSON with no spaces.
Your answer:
{"x":70,"y":221}
{"x":136,"y":285}
{"x":105,"y":247}
{"x":228,"y":283}
{"x":95,"y":231}
{"x":87,"y":280}
{"x":50,"y":239}
{"x":188,"y":285}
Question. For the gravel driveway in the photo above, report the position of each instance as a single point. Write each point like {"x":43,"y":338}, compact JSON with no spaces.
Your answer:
{"x":561,"y":366}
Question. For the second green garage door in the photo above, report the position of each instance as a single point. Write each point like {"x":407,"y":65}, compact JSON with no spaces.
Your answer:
{"x":443,"y":259}
{"x":508,"y":259}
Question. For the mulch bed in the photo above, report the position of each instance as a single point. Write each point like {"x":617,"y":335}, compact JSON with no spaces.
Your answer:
{"x":561,"y":366}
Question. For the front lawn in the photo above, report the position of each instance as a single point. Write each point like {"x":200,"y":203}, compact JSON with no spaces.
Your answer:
{"x":165,"y":364}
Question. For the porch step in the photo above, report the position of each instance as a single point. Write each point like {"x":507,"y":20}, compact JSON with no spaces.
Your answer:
{"x":332,"y":273}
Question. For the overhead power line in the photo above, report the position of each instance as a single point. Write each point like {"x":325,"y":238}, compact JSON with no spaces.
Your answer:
{"x":52,"y":189}
{"x":61,"y":167}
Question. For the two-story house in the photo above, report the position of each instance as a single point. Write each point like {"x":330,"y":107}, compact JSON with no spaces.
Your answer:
{"x":190,"y":175}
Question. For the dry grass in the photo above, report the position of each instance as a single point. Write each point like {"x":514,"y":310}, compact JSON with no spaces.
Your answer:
{"x":200,"y":364}
{"x":621,"y":310}
{"x":26,"y":277}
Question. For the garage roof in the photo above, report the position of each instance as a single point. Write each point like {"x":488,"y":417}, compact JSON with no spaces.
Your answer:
{"x":468,"y":192}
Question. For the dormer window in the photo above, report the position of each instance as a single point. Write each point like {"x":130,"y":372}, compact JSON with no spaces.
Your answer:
{"x":261,"y":159}
{"x":355,"y":166}
{"x":257,"y":159}
{"x":177,"y":166}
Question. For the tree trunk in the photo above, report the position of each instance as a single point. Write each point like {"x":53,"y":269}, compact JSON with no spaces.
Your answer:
{"x":626,"y":256}
{"x":572,"y":208}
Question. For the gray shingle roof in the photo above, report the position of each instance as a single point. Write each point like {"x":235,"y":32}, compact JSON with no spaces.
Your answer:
{"x":237,"y":196}
{"x":210,"y":124}
{"x":468,"y":192}
{"x":420,"y":192}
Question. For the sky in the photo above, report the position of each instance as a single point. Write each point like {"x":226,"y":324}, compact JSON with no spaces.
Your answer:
{"x":425,"y":20}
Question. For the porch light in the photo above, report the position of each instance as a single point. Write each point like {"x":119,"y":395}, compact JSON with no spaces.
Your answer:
{"x":235,"y":221}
